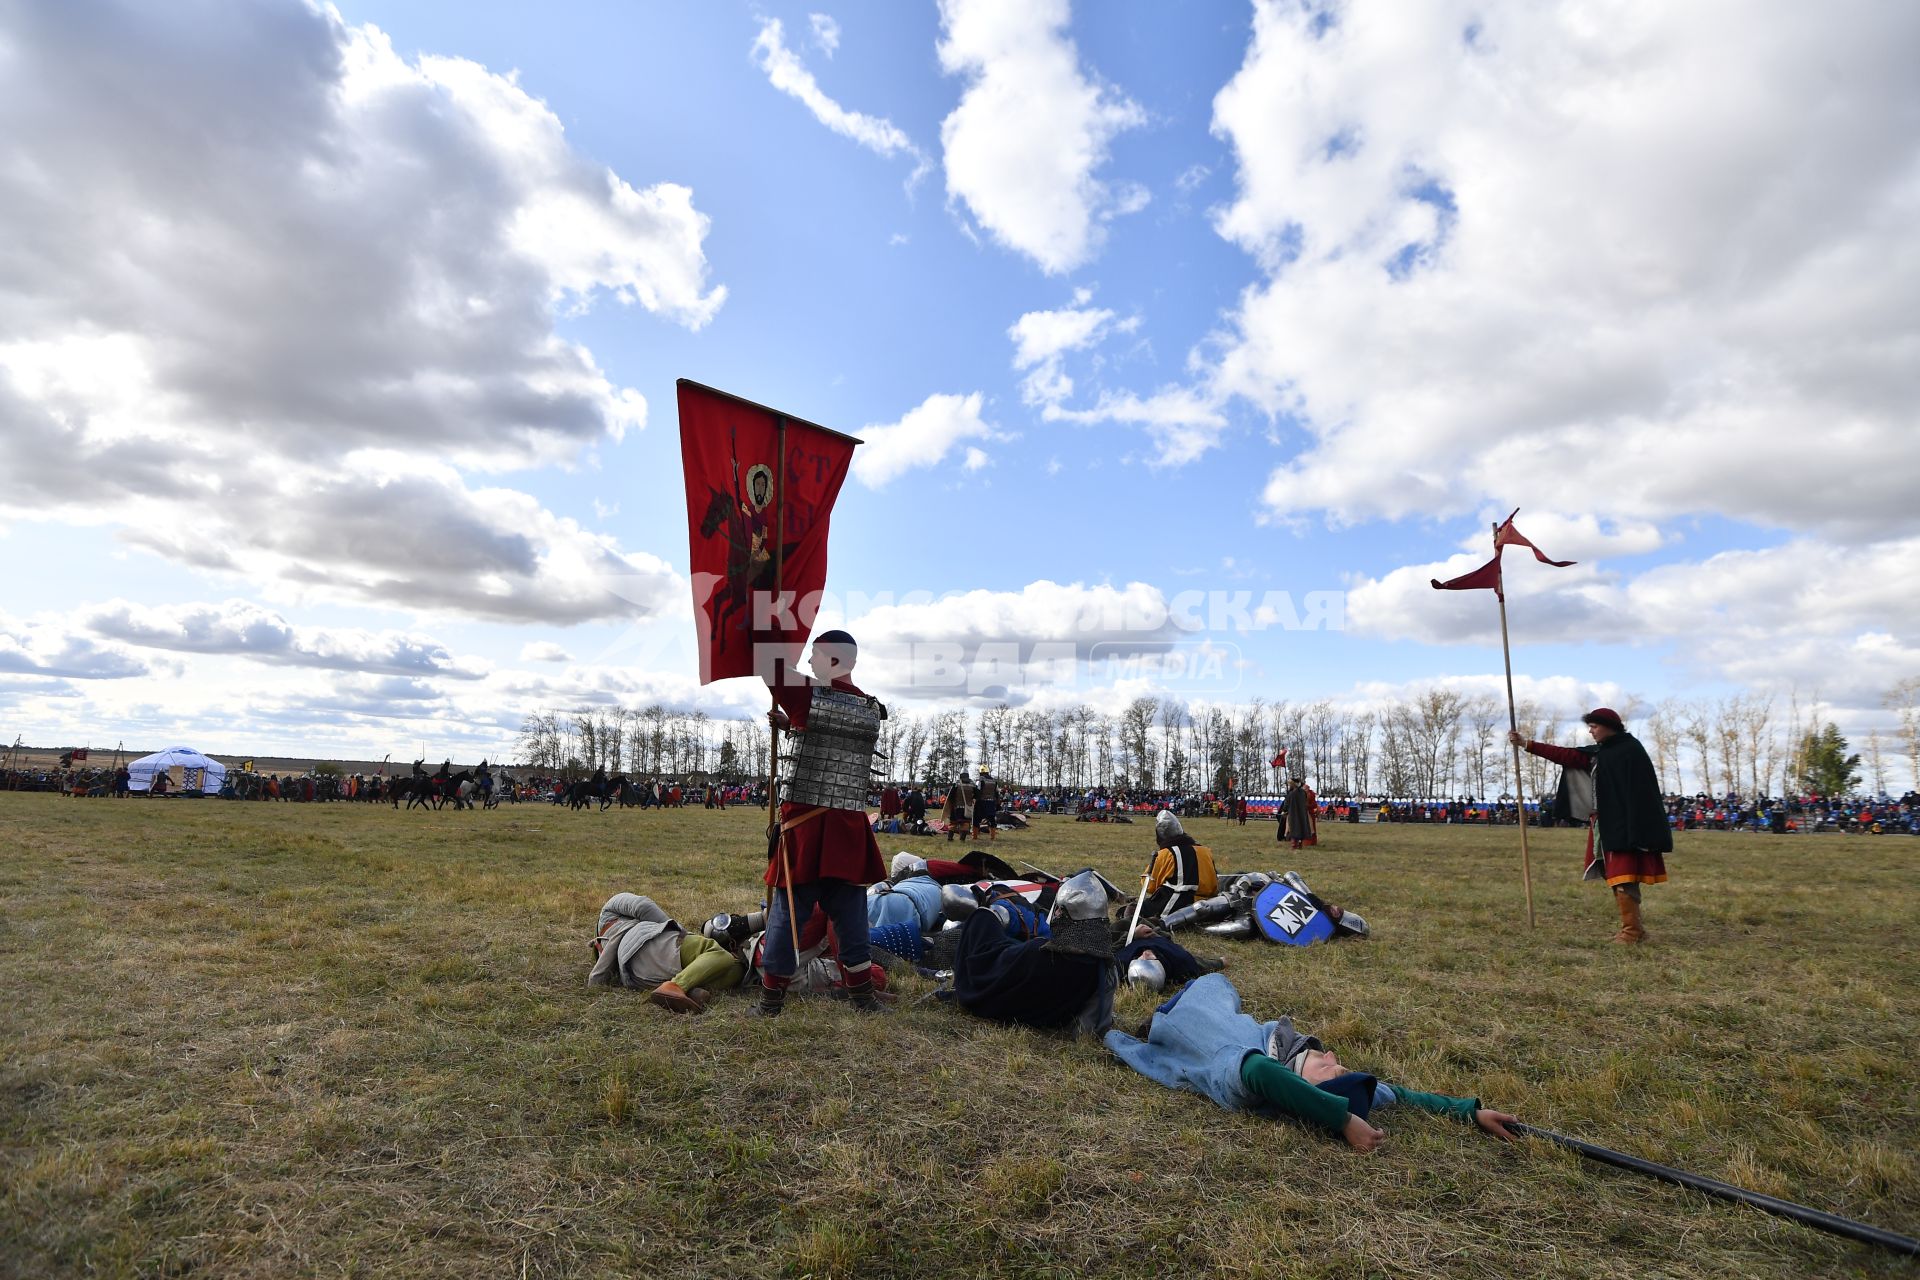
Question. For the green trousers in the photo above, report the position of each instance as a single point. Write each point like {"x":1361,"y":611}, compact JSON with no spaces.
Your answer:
{"x":705,"y":963}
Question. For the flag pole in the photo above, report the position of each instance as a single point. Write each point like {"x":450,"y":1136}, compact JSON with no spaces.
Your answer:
{"x":773,"y":722}
{"x":1513,"y":723}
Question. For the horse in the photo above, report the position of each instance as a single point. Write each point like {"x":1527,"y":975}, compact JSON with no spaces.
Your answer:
{"x":583,"y":793}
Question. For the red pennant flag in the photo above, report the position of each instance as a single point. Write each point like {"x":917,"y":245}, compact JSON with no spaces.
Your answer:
{"x":1508,"y":536}
{"x":1279,"y":761}
{"x":742,"y":486}
{"x":1486,"y":576}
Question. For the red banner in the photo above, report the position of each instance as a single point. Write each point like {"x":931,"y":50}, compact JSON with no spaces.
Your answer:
{"x":1508,"y":536}
{"x":1487,"y":576}
{"x":751,"y":471}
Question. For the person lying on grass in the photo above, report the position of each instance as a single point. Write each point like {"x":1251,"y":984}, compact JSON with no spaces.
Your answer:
{"x":1200,"y":1041}
{"x":640,"y":945}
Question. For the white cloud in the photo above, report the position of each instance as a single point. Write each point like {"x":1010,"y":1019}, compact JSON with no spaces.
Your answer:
{"x":1183,"y":422}
{"x":1643,"y":251}
{"x":1805,"y":612}
{"x":1553,"y":694}
{"x":826,"y":32}
{"x":921,"y":439}
{"x":1031,"y":130}
{"x":789,"y":75}
{"x":1011,"y":646}
{"x":44,"y":647}
{"x":1041,"y":335}
{"x":239,"y":628}
{"x":384,"y":529}
{"x":1042,"y":340}
{"x":1510,"y":250}
{"x":544,"y":651}
{"x":275,"y":374}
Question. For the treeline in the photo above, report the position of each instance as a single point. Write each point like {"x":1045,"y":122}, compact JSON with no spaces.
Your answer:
{"x":1436,"y":742}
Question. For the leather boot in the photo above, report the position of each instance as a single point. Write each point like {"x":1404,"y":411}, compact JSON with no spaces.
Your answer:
{"x":670,"y":997}
{"x":1630,"y":928}
{"x":772,"y":1001}
{"x":863,"y":997}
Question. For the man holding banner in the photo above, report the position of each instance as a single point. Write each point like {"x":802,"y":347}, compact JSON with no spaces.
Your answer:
{"x":1628,"y":833}
{"x":824,"y":854}
{"x":760,"y":491}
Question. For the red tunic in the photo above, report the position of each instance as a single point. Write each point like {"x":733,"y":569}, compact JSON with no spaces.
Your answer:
{"x":839,"y":843}
{"x":1617,"y":866}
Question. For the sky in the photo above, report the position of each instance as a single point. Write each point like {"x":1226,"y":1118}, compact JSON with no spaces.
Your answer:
{"x":1190,"y":341}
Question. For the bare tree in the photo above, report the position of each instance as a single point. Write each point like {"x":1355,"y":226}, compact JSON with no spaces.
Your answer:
{"x":1762,"y":745}
{"x":1696,"y":727}
{"x":1174,"y":760}
{"x":1904,"y":699}
{"x":1663,"y":736}
{"x":1485,"y":747}
{"x":912,"y":745}
{"x":1359,"y":748}
{"x":1727,"y":715}
{"x":1876,"y":763}
{"x":1434,"y":722}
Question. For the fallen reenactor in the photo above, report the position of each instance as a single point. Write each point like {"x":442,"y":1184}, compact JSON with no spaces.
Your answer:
{"x":1200,"y":1041}
{"x":1039,"y":970}
{"x":1060,"y":978}
{"x":1259,"y":904}
{"x":819,"y":970}
{"x":645,"y":947}
{"x":928,"y":896}
{"x":915,"y":892}
{"x":977,"y":865}
{"x":1155,"y":961}
{"x":912,"y":899}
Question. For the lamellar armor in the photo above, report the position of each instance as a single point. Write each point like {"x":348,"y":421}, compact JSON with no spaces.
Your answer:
{"x":832,"y":759}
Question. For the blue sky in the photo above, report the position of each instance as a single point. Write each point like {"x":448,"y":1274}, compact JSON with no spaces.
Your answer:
{"x":1312,"y":293}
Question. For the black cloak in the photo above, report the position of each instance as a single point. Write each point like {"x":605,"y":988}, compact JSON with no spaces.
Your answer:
{"x":1632,"y":814}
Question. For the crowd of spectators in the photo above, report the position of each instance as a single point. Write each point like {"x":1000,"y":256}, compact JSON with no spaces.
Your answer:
{"x":1883,"y":815}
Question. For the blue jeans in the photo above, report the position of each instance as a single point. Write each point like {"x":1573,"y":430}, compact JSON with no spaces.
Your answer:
{"x":846,"y":908}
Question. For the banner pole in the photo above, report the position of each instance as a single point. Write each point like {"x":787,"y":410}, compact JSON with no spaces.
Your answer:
{"x":779,"y":533}
{"x":1513,"y":724}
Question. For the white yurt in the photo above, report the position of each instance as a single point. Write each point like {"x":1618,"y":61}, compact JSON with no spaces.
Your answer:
{"x":197,"y":772}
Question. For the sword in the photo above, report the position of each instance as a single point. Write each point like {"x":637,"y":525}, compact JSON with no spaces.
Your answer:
{"x":1140,"y":904}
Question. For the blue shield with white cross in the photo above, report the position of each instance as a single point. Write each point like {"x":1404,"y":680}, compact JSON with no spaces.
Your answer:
{"x":1285,"y":915}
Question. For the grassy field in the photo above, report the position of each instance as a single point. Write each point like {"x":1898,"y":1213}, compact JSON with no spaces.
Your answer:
{"x":280,"y":1040}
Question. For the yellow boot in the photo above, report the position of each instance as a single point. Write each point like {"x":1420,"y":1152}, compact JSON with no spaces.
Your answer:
{"x":1630,"y":927}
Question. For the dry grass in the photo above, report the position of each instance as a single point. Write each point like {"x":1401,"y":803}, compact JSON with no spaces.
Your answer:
{"x":276,"y":1040}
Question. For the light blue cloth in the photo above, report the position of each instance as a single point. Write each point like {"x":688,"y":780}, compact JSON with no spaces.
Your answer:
{"x":1198,"y":1042}
{"x":914,"y":901}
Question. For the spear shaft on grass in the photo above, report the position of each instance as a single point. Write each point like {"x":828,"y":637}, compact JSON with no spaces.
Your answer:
{"x":1818,"y":1219}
